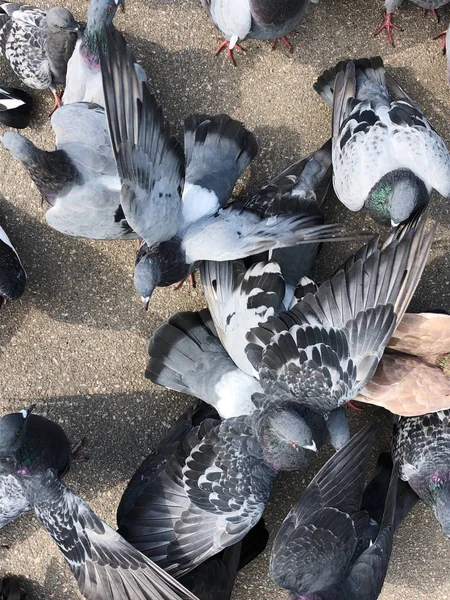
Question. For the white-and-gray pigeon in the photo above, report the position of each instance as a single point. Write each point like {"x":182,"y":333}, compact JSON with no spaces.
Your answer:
{"x":258,"y":19}
{"x":38,"y":44}
{"x":176,"y":206}
{"x":208,"y":482}
{"x":84,"y":80}
{"x":79,"y":179}
{"x":386,"y":156}
{"x":12,"y":274}
{"x":323,"y":351}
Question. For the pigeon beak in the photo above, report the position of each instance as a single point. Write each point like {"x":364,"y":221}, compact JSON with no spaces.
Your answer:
{"x":26,"y":412}
{"x":146,"y":302}
{"x":394,"y":224}
{"x":311,"y":447}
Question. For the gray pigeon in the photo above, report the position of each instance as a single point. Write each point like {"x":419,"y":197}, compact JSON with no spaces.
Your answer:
{"x":324,"y":350}
{"x":386,"y":156}
{"x":391,"y":5}
{"x":187,"y":356}
{"x":34,"y":452}
{"x":38,"y":44}
{"x":15,"y":107}
{"x":12,"y":274}
{"x":48,"y":445}
{"x":259,"y":19}
{"x":79,"y":179}
{"x":421,"y":446}
{"x":330,"y":547}
{"x":179,"y":208}
{"x":84,"y":80}
{"x":208,"y":482}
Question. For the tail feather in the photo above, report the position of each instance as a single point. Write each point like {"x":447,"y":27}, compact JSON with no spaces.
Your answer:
{"x":218,"y":149}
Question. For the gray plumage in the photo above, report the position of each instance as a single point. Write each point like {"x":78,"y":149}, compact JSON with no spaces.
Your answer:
{"x":324,"y":350}
{"x":386,"y":155}
{"x":186,"y":356}
{"x":84,"y":79}
{"x":421,"y":446}
{"x":318,"y":554}
{"x":12,"y":274}
{"x":79,"y":179}
{"x":208,"y":482}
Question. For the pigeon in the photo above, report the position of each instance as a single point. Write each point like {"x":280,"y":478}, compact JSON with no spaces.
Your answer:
{"x":187,"y":356}
{"x":178,"y":206}
{"x":421,"y":446}
{"x":208,"y":482}
{"x":12,"y":274}
{"x":214,"y":579}
{"x":34,"y":453}
{"x":413,"y":377}
{"x":324,"y":350}
{"x":335,"y":544}
{"x":15,"y":108}
{"x":84,"y":80}
{"x":38,"y":44}
{"x":79,"y":179}
{"x":386,"y":156}
{"x":44,"y":440}
{"x":259,"y":19}
{"x":391,"y":5}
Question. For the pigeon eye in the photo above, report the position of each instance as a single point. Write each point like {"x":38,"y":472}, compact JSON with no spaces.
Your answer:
{"x":18,"y":432}
{"x":110,"y":9}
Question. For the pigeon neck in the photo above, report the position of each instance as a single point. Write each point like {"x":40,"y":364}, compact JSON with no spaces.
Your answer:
{"x":59,"y":47}
{"x":94,"y":39}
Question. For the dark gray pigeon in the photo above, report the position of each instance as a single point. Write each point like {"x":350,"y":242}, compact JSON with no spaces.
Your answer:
{"x":421,"y":446}
{"x":179,"y":209}
{"x":214,"y":579}
{"x":259,"y":19}
{"x":391,"y":5}
{"x":187,"y":356}
{"x":330,"y":546}
{"x":386,"y":156}
{"x":327,"y":347}
{"x":34,"y":452}
{"x":84,"y":80}
{"x":79,"y":179}
{"x":208,"y":482}
{"x":46,"y":444}
{"x":15,"y":108}
{"x":12,"y":274}
{"x":38,"y":44}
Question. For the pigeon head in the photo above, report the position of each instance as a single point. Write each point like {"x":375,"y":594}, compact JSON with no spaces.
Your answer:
{"x":61,"y":20}
{"x":286,"y":439}
{"x":146,"y":274}
{"x":396,"y":196}
{"x":20,"y":147}
{"x":102,"y":12}
{"x":12,"y":431}
{"x":442,"y":506}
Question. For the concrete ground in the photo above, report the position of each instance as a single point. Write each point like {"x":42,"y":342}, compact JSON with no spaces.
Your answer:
{"x":76,"y":342}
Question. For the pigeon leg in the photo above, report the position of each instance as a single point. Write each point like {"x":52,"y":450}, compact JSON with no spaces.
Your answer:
{"x":284,"y":41}
{"x":77,"y":455}
{"x":442,"y":35}
{"x":388,"y":24}
{"x":433,"y":11}
{"x":353,"y":406}
{"x":226,"y":44}
{"x":191,"y":279}
{"x":58,"y":101}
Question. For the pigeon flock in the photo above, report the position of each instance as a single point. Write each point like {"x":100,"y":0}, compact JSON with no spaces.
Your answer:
{"x":275,"y":360}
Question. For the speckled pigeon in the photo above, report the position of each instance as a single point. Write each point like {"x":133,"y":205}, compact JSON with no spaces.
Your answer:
{"x":38,"y":44}
{"x":386,"y":156}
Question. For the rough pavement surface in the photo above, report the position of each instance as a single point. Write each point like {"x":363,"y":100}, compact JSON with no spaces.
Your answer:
{"x":76,"y":342}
